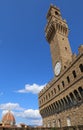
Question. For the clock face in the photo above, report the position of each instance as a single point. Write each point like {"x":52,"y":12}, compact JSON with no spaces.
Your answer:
{"x":57,"y":68}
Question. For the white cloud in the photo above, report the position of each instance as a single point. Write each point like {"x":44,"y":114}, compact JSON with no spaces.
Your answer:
{"x":10,"y":106}
{"x":29,"y":114}
{"x":5,"y":111}
{"x":34,"y":88}
{"x":32,"y":116}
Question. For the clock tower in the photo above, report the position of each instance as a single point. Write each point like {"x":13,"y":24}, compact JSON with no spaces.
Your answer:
{"x":57,"y":35}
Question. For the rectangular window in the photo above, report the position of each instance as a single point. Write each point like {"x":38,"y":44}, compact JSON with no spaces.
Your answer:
{"x":74,"y":74}
{"x":58,"y":87}
{"x":68,"y":79}
{"x":63,"y":84}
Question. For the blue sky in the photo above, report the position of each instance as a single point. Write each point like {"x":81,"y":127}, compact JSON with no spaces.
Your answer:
{"x":25,"y":60}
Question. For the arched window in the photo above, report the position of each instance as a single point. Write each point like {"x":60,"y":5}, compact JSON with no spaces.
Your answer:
{"x":80,"y":89}
{"x":59,"y":123}
{"x":74,"y":74}
{"x":46,"y":97}
{"x":68,"y":79}
{"x":63,"y":84}
{"x":54,"y":90}
{"x":49,"y":95}
{"x":77,"y":95}
{"x":56,"y":13}
{"x":54,"y":123}
{"x":81,"y":67}
{"x":58,"y":87}
{"x":68,"y":121}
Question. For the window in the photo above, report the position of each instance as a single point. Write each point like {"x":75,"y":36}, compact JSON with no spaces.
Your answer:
{"x":81,"y":67}
{"x":52,"y":93}
{"x":56,"y":13}
{"x":49,"y":95}
{"x":64,"y":67}
{"x":46,"y":97}
{"x":58,"y":87}
{"x":80,"y":89}
{"x":63,"y":84}
{"x":54,"y":123}
{"x":68,"y":79}
{"x":59,"y":123}
{"x":68,"y":121}
{"x":74,"y":74}
{"x":54,"y":90}
{"x":66,"y":48}
{"x":39,"y":102}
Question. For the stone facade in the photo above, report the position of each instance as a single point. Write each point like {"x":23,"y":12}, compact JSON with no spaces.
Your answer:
{"x":61,"y":100}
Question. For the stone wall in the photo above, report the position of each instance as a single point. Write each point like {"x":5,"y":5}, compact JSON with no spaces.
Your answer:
{"x":42,"y":128}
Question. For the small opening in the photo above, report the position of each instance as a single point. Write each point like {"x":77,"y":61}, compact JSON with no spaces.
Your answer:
{"x":49,"y":95}
{"x":56,"y":13}
{"x":63,"y":84}
{"x":66,"y":48}
{"x":68,"y":79}
{"x":64,"y":67}
{"x":81,"y":67}
{"x":46,"y":97}
{"x":58,"y":87}
{"x":74,"y":74}
{"x":54,"y":90}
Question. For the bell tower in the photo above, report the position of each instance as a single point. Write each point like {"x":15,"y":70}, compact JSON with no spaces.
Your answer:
{"x":56,"y":33}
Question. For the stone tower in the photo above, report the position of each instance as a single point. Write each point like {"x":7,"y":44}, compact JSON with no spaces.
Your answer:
{"x":57,"y":35}
{"x":61,"y":100}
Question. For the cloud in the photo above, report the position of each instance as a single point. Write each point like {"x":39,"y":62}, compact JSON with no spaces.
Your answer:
{"x":34,"y":88}
{"x":10,"y":106}
{"x":32,"y":116}
{"x":29,"y":114}
{"x":5,"y":111}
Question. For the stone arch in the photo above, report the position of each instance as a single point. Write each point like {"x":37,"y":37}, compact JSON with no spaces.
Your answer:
{"x":80,"y":89}
{"x":77,"y":95}
{"x":69,"y":100}
{"x":72,"y":98}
